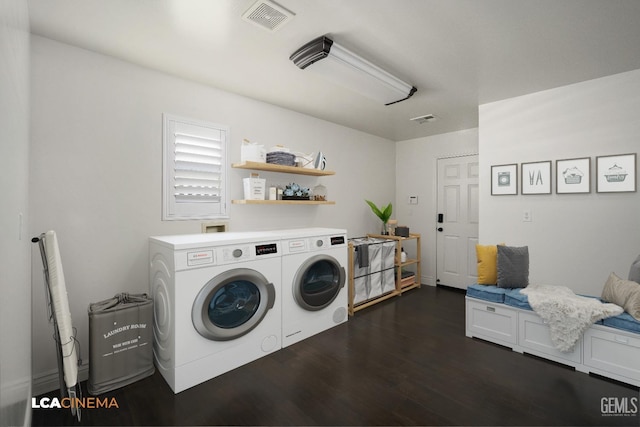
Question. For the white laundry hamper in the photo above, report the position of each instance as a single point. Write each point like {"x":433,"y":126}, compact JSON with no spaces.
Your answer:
{"x":373,"y":267}
{"x":120,"y":342}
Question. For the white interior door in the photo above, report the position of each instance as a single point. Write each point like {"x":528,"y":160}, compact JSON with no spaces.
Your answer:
{"x":457,"y":221}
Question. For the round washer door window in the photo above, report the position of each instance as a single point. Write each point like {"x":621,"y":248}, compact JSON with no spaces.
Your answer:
{"x":232,"y":304}
{"x":317,"y":282}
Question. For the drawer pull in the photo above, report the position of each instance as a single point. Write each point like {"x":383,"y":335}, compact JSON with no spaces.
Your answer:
{"x":491,"y":309}
{"x":622,"y":340}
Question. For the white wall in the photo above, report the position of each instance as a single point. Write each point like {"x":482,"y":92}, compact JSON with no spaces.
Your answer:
{"x":574,"y":240}
{"x":416,"y":175}
{"x":96,"y":172}
{"x":15,"y":245}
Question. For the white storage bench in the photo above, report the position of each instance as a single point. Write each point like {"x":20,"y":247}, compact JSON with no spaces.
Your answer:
{"x":604,"y":350}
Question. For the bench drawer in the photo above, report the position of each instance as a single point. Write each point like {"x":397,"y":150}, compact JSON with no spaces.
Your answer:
{"x":534,"y":334}
{"x":492,"y":321}
{"x":613,"y":351}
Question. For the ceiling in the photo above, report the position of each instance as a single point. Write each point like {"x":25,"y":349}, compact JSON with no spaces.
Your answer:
{"x":458,"y":53}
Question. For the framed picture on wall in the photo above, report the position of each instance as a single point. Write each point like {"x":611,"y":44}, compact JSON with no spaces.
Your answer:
{"x":536,"y":177}
{"x":504,"y":180}
{"x":616,"y":174}
{"x":573,"y":176}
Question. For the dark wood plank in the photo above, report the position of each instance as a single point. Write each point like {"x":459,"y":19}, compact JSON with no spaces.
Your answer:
{"x":405,"y":361}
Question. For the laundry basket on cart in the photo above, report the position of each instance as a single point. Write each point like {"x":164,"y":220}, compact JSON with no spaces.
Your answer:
{"x":120,"y":342}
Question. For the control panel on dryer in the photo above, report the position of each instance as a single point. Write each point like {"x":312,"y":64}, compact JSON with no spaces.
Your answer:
{"x":327,"y":242}
{"x":295,"y":245}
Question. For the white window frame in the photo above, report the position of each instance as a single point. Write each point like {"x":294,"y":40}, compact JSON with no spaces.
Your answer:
{"x":194,"y":203}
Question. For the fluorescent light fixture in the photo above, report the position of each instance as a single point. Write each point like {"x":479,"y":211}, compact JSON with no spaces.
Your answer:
{"x":424,"y":119}
{"x":344,"y":67}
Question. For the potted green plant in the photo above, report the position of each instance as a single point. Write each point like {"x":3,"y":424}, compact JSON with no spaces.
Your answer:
{"x":384,"y":214}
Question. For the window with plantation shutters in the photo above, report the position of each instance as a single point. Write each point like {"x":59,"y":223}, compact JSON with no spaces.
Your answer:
{"x":195,"y":158}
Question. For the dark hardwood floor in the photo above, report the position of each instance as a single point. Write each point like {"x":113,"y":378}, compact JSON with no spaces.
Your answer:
{"x":405,"y":361}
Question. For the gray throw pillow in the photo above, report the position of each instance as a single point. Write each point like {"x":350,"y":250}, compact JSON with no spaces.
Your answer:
{"x":634,"y":272}
{"x":513,"y":266}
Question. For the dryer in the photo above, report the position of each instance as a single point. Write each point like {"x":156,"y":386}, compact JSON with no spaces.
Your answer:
{"x":314,"y":290}
{"x":217,"y":303}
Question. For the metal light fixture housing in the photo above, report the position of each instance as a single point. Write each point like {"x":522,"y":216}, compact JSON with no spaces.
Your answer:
{"x":346,"y":68}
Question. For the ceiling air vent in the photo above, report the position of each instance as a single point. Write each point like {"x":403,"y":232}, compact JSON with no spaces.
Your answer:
{"x":268,"y":15}
{"x":424,"y":119}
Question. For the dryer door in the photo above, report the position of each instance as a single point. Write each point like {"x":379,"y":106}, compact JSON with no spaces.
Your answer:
{"x":318,"y":282}
{"x":232,"y":304}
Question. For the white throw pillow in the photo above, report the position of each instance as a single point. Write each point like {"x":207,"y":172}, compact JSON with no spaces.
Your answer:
{"x":624,"y":293}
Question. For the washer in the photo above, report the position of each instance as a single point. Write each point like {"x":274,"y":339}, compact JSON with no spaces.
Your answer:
{"x":314,"y":290}
{"x":217,"y":303}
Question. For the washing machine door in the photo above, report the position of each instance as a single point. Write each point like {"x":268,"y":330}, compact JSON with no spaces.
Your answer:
{"x":231,"y":304}
{"x":318,"y":282}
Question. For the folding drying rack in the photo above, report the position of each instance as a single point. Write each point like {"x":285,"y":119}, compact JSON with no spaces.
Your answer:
{"x":67,"y":346}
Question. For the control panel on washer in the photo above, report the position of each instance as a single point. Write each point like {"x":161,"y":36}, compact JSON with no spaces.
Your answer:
{"x":205,"y":257}
{"x":234,"y":253}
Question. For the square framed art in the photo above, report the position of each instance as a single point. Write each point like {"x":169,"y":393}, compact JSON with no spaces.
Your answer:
{"x":504,"y":180}
{"x":536,"y":177}
{"x":573,"y":176}
{"x":616,"y":173}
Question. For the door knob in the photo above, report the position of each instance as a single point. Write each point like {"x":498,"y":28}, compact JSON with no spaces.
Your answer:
{"x":440,"y":229}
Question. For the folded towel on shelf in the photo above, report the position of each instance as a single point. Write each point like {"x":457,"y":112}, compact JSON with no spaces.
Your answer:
{"x":281,"y":158}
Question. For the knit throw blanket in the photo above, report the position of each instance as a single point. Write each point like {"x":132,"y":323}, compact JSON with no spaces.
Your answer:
{"x":567,"y":314}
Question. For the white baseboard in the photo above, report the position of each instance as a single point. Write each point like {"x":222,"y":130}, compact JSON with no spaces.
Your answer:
{"x":49,"y":381}
{"x":16,"y":397}
{"x":427,"y":280}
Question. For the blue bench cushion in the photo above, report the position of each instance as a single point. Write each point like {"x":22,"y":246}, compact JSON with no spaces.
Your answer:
{"x":515,"y":298}
{"x":486,"y":292}
{"x":623,"y":321}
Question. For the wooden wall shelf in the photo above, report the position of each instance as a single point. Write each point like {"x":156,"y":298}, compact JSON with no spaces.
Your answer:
{"x":269,"y":167}
{"x":282,"y":202}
